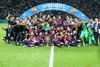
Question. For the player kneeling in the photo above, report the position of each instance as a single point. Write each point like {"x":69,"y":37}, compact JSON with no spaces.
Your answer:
{"x":8,"y":38}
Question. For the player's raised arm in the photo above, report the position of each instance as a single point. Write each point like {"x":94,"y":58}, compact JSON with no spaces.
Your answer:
{"x":3,"y":28}
{"x":7,"y":18}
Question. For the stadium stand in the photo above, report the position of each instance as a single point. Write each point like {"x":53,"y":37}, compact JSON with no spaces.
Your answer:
{"x":90,"y":7}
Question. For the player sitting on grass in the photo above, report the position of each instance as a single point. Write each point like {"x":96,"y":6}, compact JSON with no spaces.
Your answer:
{"x":28,"y":41}
{"x":69,"y":40}
{"x":56,"y":40}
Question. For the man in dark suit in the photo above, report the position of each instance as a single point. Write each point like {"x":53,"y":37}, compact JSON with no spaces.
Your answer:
{"x":99,"y":29}
{"x":96,"y":31}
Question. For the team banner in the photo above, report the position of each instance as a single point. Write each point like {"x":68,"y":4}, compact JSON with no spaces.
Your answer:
{"x":54,"y":6}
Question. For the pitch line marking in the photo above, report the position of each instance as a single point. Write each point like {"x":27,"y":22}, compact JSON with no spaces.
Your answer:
{"x":51,"y":57}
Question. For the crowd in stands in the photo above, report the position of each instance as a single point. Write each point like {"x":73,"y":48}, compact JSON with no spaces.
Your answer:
{"x":90,"y":7}
{"x":44,"y":29}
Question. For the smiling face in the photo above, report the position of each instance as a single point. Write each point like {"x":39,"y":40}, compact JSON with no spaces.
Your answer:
{"x":48,"y":16}
{"x":68,"y":34}
{"x":91,"y":20}
{"x":58,"y":28}
{"x":68,"y":29}
{"x":53,"y":32}
{"x":61,"y":33}
{"x":64,"y":23}
{"x":40,"y":33}
{"x":52,"y":27}
{"x":46,"y":33}
{"x":9,"y":26}
{"x":18,"y":23}
{"x":82,"y":21}
{"x":31,"y":27}
{"x":89,"y":28}
{"x":40,"y":19}
{"x":54,"y":18}
{"x":44,"y":16}
{"x":50,"y":19}
{"x":67,"y":17}
{"x":59,"y":17}
{"x":12,"y":19}
{"x":96,"y":20}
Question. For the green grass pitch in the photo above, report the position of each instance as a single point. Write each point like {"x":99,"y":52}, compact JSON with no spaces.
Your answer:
{"x":17,"y":56}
